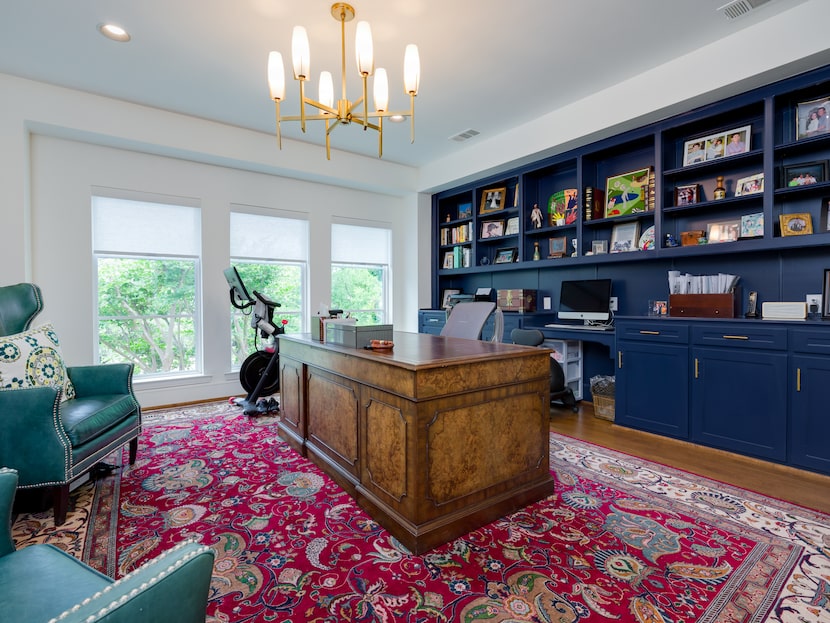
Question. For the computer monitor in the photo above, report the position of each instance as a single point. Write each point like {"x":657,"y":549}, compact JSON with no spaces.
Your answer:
{"x":585,"y":299}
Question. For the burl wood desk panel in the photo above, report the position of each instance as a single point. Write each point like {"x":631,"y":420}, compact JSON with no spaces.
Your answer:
{"x":434,"y":438}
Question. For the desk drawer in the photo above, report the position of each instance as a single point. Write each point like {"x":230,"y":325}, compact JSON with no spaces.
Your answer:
{"x":431,"y":321}
{"x":653,"y":331}
{"x":810,"y":341}
{"x":740,"y":336}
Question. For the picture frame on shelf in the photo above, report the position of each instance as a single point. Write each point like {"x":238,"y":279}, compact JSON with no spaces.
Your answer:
{"x":599,"y":247}
{"x":812,"y":118}
{"x":627,"y":193}
{"x":752,"y":226}
{"x":825,"y":296}
{"x":447,"y":295}
{"x":726,"y":230}
{"x":465,"y":210}
{"x":449,"y":260}
{"x":749,"y":185}
{"x":511,"y":228}
{"x":492,"y":229}
{"x":687,"y":194}
{"x":717,"y":145}
{"x":492,"y":200}
{"x":558,"y":247}
{"x":563,"y":207}
{"x":506,"y":255}
{"x":624,"y":237}
{"x":804,"y":174}
{"x":798,"y":224}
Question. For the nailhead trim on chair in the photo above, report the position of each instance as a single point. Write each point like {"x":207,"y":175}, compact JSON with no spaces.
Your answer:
{"x":125,"y":598}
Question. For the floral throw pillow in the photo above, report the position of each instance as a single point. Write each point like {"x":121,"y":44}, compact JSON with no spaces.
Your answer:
{"x":33,"y":359}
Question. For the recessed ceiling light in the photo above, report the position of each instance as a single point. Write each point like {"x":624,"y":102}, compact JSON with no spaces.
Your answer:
{"x":396,"y":118}
{"x":116,"y":33}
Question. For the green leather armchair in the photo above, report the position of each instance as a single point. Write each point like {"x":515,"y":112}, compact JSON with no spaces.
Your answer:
{"x":42,"y":583}
{"x":50,"y":441}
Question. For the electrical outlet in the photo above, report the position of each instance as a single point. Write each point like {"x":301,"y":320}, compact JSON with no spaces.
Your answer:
{"x":813,"y":299}
{"x":613,"y":304}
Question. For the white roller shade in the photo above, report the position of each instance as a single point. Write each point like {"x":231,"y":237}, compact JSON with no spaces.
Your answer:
{"x":254,"y":236}
{"x":127,"y":226}
{"x":356,"y":244}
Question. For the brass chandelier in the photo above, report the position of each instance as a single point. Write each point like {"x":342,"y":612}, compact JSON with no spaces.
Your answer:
{"x":346,"y":111}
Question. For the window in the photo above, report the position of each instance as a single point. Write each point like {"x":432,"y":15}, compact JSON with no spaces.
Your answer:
{"x":271,"y":255}
{"x":147,"y":262}
{"x":360,"y":271}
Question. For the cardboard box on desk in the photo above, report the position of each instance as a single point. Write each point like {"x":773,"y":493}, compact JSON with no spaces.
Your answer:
{"x":517,"y":300}
{"x":356,"y":336}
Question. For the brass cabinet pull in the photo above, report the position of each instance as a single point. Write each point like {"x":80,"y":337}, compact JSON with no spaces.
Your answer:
{"x":798,"y":379}
{"x":619,"y":359}
{"x":697,"y":368}
{"x":643,"y":332}
{"x":735,"y":337}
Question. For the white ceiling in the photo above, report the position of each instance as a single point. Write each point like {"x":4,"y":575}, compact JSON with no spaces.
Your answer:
{"x":488,"y":65}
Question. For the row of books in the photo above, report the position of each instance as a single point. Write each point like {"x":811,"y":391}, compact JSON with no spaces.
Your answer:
{"x":457,"y":234}
{"x":459,"y":257}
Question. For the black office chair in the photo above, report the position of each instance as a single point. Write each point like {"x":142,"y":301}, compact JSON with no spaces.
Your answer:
{"x":558,"y":389}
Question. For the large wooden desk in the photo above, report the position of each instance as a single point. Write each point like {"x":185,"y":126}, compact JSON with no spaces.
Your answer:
{"x":433,"y":439}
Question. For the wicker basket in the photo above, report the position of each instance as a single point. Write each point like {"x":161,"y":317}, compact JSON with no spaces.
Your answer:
{"x":604,"y":407}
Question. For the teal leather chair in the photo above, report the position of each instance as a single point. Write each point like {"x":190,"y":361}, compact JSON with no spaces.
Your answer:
{"x":51,"y":442}
{"x":41,"y":583}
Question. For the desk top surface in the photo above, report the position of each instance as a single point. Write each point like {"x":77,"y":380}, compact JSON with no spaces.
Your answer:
{"x":422,"y":350}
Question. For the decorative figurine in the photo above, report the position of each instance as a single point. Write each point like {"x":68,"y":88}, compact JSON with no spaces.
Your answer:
{"x":536,"y":216}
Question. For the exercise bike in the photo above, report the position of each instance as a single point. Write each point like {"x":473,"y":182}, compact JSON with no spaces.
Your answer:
{"x":260,"y":372}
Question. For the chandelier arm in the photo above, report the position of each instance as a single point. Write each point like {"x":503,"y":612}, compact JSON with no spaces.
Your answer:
{"x":380,"y":137}
{"x":279,"y":129}
{"x":328,"y":139}
{"x":411,"y":118}
{"x":302,"y":105}
{"x":365,"y":103}
{"x":320,"y":106}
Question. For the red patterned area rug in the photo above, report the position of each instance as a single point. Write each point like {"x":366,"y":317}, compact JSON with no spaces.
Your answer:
{"x":622,"y":539}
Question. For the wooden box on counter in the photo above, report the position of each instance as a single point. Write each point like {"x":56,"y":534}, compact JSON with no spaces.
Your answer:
{"x":705,"y":305}
{"x":517,"y":300}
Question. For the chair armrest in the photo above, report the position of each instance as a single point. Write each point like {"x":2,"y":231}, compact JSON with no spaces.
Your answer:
{"x":8,"y":484}
{"x":32,"y":437}
{"x":171,"y":588}
{"x":111,"y":378}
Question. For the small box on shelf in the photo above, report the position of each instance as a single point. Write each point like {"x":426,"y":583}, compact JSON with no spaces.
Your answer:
{"x":517,"y":300}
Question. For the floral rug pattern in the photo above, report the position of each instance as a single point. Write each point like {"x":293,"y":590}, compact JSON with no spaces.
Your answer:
{"x":621,"y":539}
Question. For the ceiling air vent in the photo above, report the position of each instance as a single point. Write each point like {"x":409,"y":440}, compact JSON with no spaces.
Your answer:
{"x":463,"y":136}
{"x":737,"y":8}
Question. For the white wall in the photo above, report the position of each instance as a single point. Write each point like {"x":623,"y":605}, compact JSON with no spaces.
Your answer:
{"x":51,"y":157}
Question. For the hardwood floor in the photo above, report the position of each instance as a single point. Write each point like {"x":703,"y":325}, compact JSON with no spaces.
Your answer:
{"x":779,"y":481}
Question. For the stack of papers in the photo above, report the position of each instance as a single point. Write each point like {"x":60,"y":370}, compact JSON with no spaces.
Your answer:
{"x":684,"y":283}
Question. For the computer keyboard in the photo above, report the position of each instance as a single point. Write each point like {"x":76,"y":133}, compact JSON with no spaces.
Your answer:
{"x":580,"y":327}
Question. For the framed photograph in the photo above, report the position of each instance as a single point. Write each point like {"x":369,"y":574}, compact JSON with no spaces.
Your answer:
{"x":446,"y":297}
{"x":749,"y":185}
{"x":723,"y":231}
{"x":804,"y":174}
{"x":812,"y":118}
{"x":624,"y":237}
{"x":626,"y":193}
{"x":465,"y":210}
{"x":492,"y":229}
{"x":752,"y":226}
{"x":796,"y":224}
{"x":512,"y":226}
{"x":492,"y":200}
{"x":506,"y":256}
{"x":599,"y":247}
{"x":558,"y":247}
{"x":449,"y":259}
{"x":718,"y":145}
{"x":686,"y":195}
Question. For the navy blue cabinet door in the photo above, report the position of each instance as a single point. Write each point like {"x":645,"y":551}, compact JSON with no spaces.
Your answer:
{"x":652,"y":388}
{"x":739,"y":401}
{"x":809,"y":420}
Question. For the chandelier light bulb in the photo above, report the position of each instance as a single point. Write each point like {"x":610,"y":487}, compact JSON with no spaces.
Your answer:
{"x":363,"y":49}
{"x":276,"y":76}
{"x":300,"y":53}
{"x":326,"y":92}
{"x":381,"y":90}
{"x":411,"y":69}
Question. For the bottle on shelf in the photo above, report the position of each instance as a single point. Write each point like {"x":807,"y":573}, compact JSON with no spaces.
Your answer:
{"x":720,"y":190}
{"x":537,"y":255}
